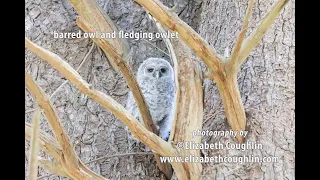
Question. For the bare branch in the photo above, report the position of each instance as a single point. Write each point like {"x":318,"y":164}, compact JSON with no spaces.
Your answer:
{"x":46,"y":142}
{"x":176,"y":70}
{"x":126,"y":72}
{"x":53,"y":120}
{"x":34,"y":146}
{"x":66,"y":81}
{"x":252,"y":41}
{"x":138,"y":130}
{"x":191,"y":38}
{"x":119,"y":155}
{"x":49,"y":145}
{"x":156,"y":47}
{"x":189,"y":106}
{"x":91,"y":12}
{"x":82,"y":62}
{"x":233,"y":62}
{"x":53,"y":167}
{"x":133,"y":86}
{"x":68,"y":159}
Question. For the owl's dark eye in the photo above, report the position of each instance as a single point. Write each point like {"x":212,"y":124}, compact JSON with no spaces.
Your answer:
{"x":150,"y":70}
{"x":163,"y":70}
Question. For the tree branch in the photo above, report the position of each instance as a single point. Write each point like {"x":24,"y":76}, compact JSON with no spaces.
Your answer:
{"x":138,"y":130}
{"x":233,"y":62}
{"x":176,"y":70}
{"x":46,"y":142}
{"x":252,"y":41}
{"x":91,"y":12}
{"x":88,"y":11}
{"x":34,"y":147}
{"x":126,"y":72}
{"x":133,"y":86}
{"x":66,"y":81}
{"x":53,"y":120}
{"x":191,"y":38}
{"x":220,"y":68}
{"x":53,"y":167}
{"x":189,"y":105}
{"x":49,"y":145}
{"x":68,"y":158}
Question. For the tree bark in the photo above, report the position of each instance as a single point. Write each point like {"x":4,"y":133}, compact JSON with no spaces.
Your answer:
{"x":266,"y":83}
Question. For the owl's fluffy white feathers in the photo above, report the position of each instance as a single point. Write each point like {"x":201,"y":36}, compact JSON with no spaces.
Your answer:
{"x":156,"y":79}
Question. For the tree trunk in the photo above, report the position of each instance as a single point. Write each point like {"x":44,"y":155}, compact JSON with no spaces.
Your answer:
{"x":266,"y":83}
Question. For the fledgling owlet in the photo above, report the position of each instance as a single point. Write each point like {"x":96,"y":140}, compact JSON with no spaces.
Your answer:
{"x":156,"y":79}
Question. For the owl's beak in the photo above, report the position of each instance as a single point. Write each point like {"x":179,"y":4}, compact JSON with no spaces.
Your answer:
{"x":158,"y":74}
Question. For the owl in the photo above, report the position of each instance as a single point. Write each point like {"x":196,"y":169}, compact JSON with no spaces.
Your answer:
{"x":156,"y":79}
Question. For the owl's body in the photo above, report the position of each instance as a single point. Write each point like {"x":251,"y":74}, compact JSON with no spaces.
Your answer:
{"x":156,"y":80}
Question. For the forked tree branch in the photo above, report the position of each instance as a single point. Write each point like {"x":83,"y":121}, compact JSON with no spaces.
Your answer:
{"x":53,"y":120}
{"x":220,"y":68}
{"x":254,"y":38}
{"x":191,"y":38}
{"x":46,"y":142}
{"x":188,"y":110}
{"x":223,"y":72}
{"x":126,"y":72}
{"x":68,"y":158}
{"x":117,"y":60}
{"x":91,"y":12}
{"x":115,"y":49}
{"x":50,"y":145}
{"x":53,"y":167}
{"x":92,"y":20}
{"x":138,"y":130}
{"x":234,"y":56}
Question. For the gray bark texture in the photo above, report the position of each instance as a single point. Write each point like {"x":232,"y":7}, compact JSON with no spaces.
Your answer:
{"x":266,"y":81}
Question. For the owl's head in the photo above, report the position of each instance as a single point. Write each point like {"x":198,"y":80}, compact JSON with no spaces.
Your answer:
{"x":156,"y":69}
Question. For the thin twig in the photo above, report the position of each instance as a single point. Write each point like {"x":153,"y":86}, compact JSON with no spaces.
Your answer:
{"x":53,"y":167}
{"x":30,"y":110}
{"x":145,"y":136}
{"x":127,"y":73}
{"x":233,"y":62}
{"x":34,"y":146}
{"x":66,"y":81}
{"x":106,"y":157}
{"x":82,"y":62}
{"x":69,"y":160}
{"x":53,"y":120}
{"x":254,"y":38}
{"x":156,"y":47}
{"x":213,"y":115}
{"x":47,"y":143}
{"x":119,"y":155}
{"x":176,"y":71}
{"x":190,"y":37}
{"x":45,"y":176}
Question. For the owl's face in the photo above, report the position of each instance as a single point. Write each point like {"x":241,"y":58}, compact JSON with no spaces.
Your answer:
{"x":156,"y":69}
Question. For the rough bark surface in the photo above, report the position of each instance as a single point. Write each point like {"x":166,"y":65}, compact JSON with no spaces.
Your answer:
{"x":266,"y":84}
